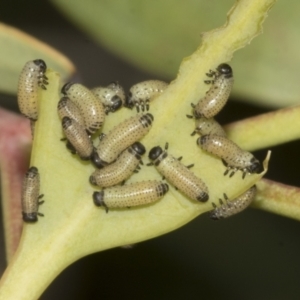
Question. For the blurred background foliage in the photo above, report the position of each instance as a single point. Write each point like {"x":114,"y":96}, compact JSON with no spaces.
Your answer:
{"x":251,"y":256}
{"x":156,"y":35}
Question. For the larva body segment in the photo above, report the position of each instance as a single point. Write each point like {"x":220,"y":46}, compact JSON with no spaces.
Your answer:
{"x":142,"y":93}
{"x":205,"y":126}
{"x":78,"y":138}
{"x":31,"y":79}
{"x":218,"y":94}
{"x":178,"y":175}
{"x":31,"y":195}
{"x":230,"y":208}
{"x":67,"y":108}
{"x":91,"y":108}
{"x":233,"y":157}
{"x":111,"y":96}
{"x":134,"y":194}
{"x":121,"y":137}
{"x":121,"y":169}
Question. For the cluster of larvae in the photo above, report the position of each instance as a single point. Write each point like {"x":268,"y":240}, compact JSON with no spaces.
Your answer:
{"x":118,"y":154}
{"x":213,"y":139}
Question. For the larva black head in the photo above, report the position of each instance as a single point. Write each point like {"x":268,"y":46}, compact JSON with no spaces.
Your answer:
{"x":98,"y":198}
{"x":155,"y":152}
{"x":116,"y":103}
{"x":165,"y":188}
{"x":128,"y":101}
{"x":202,"y":140}
{"x":66,"y":87}
{"x":29,"y":217}
{"x":150,"y":117}
{"x":92,"y":180}
{"x":146,"y":120}
{"x":203,"y":197}
{"x":96,"y":160}
{"x":66,"y":122}
{"x":255,"y":167}
{"x":62,"y":103}
{"x":32,"y":172}
{"x":138,"y":148}
{"x":225,"y":69}
{"x":41,"y":64}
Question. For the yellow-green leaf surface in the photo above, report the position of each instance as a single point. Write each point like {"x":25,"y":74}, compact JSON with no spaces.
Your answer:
{"x":155,"y":35}
{"x":16,"y":48}
{"x":73,"y":227}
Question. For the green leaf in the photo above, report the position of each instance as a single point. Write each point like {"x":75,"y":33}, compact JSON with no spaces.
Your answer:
{"x":18,"y":47}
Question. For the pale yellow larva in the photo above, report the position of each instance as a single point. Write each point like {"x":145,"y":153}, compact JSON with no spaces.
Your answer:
{"x":111,"y":96}
{"x":121,"y":137}
{"x":67,"y":108}
{"x":230,"y":208}
{"x":91,"y":108}
{"x":178,"y":175}
{"x":134,"y":194}
{"x":218,"y":94}
{"x":205,"y":126}
{"x":233,"y":157}
{"x":78,"y":138}
{"x":121,"y":169}
{"x":31,"y":196}
{"x":142,"y":93}
{"x":31,"y":79}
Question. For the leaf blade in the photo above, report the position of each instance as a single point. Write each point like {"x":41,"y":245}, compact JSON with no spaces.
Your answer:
{"x":18,"y":47}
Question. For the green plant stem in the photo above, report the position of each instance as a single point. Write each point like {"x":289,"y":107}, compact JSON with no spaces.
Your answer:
{"x":266,"y":130}
{"x":278,"y":198}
